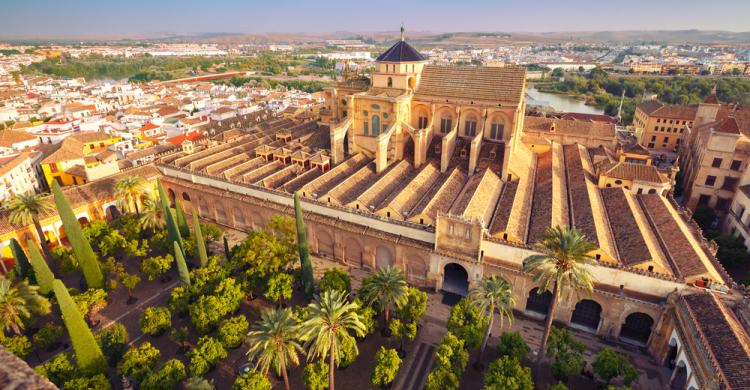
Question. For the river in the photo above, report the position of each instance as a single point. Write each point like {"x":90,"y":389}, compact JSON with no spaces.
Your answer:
{"x":561,"y":102}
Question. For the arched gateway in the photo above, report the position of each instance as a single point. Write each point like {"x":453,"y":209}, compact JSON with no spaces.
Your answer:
{"x":455,"y":279}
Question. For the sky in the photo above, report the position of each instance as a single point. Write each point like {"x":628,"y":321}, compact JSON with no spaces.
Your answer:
{"x":118,"y":18}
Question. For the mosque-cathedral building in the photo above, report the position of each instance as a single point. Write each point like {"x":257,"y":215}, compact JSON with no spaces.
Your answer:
{"x":438,"y":170}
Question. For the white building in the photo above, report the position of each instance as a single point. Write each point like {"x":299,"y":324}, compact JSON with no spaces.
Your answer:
{"x":17,"y":176}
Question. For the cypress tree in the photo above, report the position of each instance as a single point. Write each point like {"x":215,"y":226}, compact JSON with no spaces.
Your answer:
{"x":81,"y":246}
{"x":181,"y":265}
{"x":22,"y":266}
{"x":89,"y":356}
{"x":226,"y":247}
{"x":172,"y":231}
{"x":181,"y":220}
{"x":199,"y":241}
{"x":304,"y":251}
{"x":42,"y":273}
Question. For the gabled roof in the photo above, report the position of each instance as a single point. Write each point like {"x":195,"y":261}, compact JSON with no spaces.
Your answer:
{"x":649,"y":106}
{"x":630,"y":171}
{"x":10,"y":137}
{"x":401,"y":52}
{"x":721,"y":334}
{"x":504,"y":84}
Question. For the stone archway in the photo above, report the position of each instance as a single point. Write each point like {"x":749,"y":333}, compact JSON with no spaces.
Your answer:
{"x":416,"y":267}
{"x":239,"y":219}
{"x":679,"y":376}
{"x":203,"y":209}
{"x":383,"y":257}
{"x":455,"y":279}
{"x":587,"y":314}
{"x":171,"y":195}
{"x":637,"y":328}
{"x":538,"y":303}
{"x":325,"y":244}
{"x":353,"y":252}
{"x":112,"y":213}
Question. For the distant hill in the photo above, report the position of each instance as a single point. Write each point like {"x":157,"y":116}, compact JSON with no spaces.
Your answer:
{"x":428,"y":38}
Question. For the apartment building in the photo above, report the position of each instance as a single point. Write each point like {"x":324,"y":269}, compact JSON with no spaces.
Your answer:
{"x":662,"y":127}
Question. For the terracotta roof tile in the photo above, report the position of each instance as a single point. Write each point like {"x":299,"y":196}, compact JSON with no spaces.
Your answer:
{"x":723,"y":337}
{"x":504,"y":84}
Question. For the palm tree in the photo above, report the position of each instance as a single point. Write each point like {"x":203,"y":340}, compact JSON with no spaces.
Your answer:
{"x":18,"y":303}
{"x":25,"y":210}
{"x":492,"y":293}
{"x":387,"y":287}
{"x":129,"y":190}
{"x":152,"y":215}
{"x":330,"y":319}
{"x":560,"y":266}
{"x":273,"y":341}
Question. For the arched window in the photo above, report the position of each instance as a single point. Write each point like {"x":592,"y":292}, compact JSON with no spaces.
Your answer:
{"x":366,"y":128}
{"x":390,"y":82}
{"x":185,"y":197}
{"x":446,"y":123}
{"x":375,"y":125}
{"x":422,"y":121}
{"x":470,"y":126}
{"x":496,"y":130}
{"x":411,"y":82}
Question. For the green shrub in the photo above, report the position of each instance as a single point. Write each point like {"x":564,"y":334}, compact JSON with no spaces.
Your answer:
{"x":507,"y":373}
{"x":387,"y":363}
{"x":367,"y":315}
{"x":513,"y":345}
{"x":98,"y":382}
{"x":348,"y":351}
{"x":279,"y":287}
{"x":59,"y":369}
{"x":335,"y":279}
{"x":156,"y":266}
{"x":206,"y":313}
{"x":233,"y":330}
{"x":166,"y":378}
{"x":315,"y":375}
{"x":609,"y":364}
{"x":467,"y":323}
{"x":450,"y":358}
{"x":138,"y":362}
{"x":416,"y":304}
{"x":205,"y":356}
{"x":48,"y":336}
{"x":155,"y":320}
{"x":19,"y":345}
{"x":566,"y":354}
{"x":114,"y":342}
{"x":179,"y":299}
{"x":251,"y":380}
{"x":196,"y":383}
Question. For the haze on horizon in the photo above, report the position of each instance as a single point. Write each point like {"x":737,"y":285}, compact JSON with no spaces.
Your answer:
{"x":96,"y":19}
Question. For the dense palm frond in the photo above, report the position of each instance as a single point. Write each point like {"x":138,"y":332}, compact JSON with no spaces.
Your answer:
{"x":18,"y":303}
{"x":387,"y":287}
{"x":26,"y":208}
{"x":562,"y":262}
{"x":493,"y":294}
{"x":273,"y":340}
{"x":128,"y":191}
{"x":152,"y":214}
{"x":330,"y":319}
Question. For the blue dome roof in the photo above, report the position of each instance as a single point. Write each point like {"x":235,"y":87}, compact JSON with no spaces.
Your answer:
{"x":401,"y":52}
